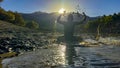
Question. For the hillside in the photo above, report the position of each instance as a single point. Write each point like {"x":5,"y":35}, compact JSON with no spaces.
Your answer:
{"x":19,"y":39}
{"x":47,"y":20}
{"x":6,"y":27}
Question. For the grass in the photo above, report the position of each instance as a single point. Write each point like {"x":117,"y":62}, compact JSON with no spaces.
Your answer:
{"x":10,"y":30}
{"x":0,"y":63}
{"x":6,"y":55}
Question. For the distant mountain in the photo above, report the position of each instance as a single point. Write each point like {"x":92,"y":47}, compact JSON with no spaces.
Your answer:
{"x":47,"y":20}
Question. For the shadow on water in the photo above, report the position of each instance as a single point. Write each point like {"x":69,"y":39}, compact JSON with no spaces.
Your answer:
{"x":70,"y":53}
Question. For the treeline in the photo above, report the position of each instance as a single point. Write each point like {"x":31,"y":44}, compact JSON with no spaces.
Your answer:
{"x":105,"y":25}
{"x":17,"y":19}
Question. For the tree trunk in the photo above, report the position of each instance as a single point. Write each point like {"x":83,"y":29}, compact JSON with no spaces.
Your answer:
{"x":98,"y":32}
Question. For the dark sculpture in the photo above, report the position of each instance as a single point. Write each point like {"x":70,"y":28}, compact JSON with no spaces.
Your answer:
{"x":70,"y":23}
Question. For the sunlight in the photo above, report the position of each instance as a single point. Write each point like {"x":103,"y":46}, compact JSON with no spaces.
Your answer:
{"x":61,"y":11}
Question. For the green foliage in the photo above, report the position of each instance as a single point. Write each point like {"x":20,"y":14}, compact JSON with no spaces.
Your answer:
{"x":7,"y":16}
{"x":91,"y":26}
{"x":16,"y":19}
{"x":19,"y":20}
{"x":32,"y":25}
{"x":105,"y":24}
{"x":12,"y":17}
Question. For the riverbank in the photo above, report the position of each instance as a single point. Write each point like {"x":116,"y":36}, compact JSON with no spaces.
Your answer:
{"x":110,"y":40}
{"x":53,"y":56}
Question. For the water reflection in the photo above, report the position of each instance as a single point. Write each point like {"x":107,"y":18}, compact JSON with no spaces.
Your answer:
{"x":70,"y":53}
{"x":66,"y":53}
{"x":61,"y":55}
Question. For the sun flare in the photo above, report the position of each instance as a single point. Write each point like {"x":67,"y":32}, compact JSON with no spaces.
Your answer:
{"x":61,"y":11}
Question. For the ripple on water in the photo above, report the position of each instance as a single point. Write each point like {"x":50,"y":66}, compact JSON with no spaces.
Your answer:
{"x":54,"y":56}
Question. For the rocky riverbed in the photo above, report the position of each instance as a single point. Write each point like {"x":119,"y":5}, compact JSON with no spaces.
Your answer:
{"x":38,"y":51}
{"x":103,"y":56}
{"x":16,"y":44}
{"x":23,"y":43}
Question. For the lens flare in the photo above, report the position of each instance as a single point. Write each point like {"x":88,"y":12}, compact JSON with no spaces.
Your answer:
{"x":61,"y":11}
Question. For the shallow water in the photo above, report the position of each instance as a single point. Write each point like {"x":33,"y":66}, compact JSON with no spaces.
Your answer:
{"x":100,"y":57}
{"x":54,"y":57}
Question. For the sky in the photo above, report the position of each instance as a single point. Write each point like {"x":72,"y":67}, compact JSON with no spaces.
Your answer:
{"x":90,"y":7}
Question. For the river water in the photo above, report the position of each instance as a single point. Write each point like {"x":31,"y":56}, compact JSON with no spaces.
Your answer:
{"x":104,"y":56}
{"x":98,"y":57}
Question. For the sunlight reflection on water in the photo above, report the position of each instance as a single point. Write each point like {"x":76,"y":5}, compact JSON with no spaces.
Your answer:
{"x":62,"y":50}
{"x":54,"y":56}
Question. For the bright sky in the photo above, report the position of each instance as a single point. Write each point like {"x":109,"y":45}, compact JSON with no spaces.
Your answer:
{"x":91,"y":7}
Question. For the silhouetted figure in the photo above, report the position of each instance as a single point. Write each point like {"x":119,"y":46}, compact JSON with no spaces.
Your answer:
{"x":70,"y":21}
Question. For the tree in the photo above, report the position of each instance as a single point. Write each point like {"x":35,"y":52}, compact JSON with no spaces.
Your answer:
{"x":10,"y":16}
{"x":18,"y":20}
{"x":2,"y":12}
{"x":32,"y":25}
{"x":6,"y":16}
{"x":105,"y":25}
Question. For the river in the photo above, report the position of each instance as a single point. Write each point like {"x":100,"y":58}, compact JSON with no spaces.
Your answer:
{"x":103,"y":56}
